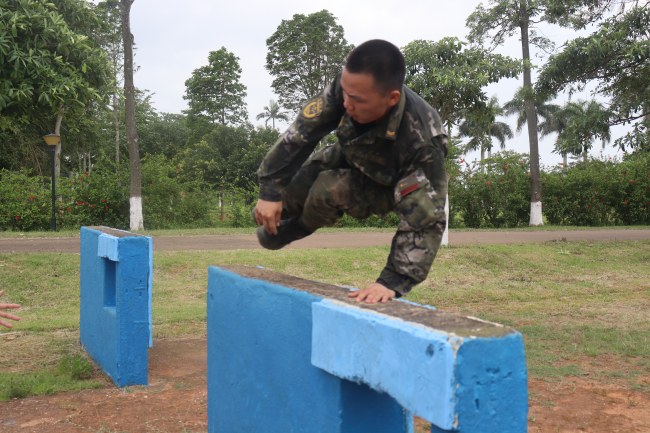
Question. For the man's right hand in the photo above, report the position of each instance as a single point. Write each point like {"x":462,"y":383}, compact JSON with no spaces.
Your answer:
{"x":268,"y":214}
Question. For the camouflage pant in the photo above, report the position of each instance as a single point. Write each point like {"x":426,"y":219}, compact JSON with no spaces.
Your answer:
{"x":326,"y":187}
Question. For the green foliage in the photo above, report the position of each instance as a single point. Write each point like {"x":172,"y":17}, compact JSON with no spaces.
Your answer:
{"x":98,"y":197}
{"x":599,"y":193}
{"x":101,"y":197}
{"x":25,"y":203}
{"x":215,"y":92}
{"x":169,"y":201}
{"x":271,"y":112}
{"x":227,"y":157}
{"x":304,"y":55}
{"x":481,"y":126}
{"x":617,"y":58}
{"x":451,"y":77}
{"x":583,"y":123}
{"x":493,"y":193}
{"x":49,"y":63}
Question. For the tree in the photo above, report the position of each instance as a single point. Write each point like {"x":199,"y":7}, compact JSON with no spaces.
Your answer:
{"x":517,"y":107}
{"x":504,"y":19}
{"x":451,"y":77}
{"x":482,"y":126}
{"x":616,"y":58}
{"x":304,"y":55}
{"x":271,"y":112}
{"x":135,"y":196}
{"x":109,"y":12}
{"x":583,"y":122}
{"x":214,"y":91}
{"x":52,"y":68}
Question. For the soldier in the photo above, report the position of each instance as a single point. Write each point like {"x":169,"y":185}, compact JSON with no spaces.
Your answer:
{"x":389,"y":157}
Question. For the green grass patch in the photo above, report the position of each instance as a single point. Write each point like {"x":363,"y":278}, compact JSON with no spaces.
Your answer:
{"x":71,"y":373}
{"x":581,"y":306}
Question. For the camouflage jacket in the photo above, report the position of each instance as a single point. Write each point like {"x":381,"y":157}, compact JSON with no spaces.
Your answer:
{"x":405,"y":151}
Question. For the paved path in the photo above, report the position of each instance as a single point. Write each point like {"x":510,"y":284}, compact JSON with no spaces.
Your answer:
{"x":330,"y":240}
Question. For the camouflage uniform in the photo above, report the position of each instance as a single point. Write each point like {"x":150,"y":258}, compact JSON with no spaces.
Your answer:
{"x":396,"y":163}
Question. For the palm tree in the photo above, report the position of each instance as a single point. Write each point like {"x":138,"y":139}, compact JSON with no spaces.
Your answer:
{"x":555,"y":121}
{"x":517,"y":106}
{"x":272,"y":112}
{"x":583,"y":123}
{"x":481,"y":126}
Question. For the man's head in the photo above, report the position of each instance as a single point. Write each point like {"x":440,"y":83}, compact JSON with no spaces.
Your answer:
{"x":372,"y":80}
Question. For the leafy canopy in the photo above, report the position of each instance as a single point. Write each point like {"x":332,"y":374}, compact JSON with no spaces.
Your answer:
{"x":304,"y":54}
{"x":215,"y":92}
{"x":617,"y":58}
{"x":451,"y":77}
{"x":48,"y":66}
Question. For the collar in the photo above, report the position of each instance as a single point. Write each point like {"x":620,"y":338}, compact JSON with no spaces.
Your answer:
{"x":395,"y":117}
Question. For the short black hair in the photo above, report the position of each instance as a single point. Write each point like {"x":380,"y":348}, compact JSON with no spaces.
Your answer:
{"x":381,"y":59}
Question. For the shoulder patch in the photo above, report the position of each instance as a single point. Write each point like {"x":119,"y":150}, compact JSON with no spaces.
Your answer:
{"x":313,"y":108}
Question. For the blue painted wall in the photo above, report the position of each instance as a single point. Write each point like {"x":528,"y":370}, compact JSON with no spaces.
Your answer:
{"x":260,"y":377}
{"x":116,"y":270}
{"x":282,"y":359}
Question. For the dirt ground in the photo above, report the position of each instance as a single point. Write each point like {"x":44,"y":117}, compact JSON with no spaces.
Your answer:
{"x":175,"y":402}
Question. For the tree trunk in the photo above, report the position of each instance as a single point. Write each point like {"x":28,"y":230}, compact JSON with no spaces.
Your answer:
{"x":531,"y":120}
{"x":116,"y":124}
{"x":135,"y":200}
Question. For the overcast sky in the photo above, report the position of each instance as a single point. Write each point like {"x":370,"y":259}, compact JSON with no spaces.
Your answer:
{"x":174,"y":38}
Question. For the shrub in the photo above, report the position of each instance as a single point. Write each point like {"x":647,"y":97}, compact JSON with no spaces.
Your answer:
{"x":597,"y":193}
{"x":169,"y":202}
{"x":493,"y":193}
{"x":99,"y":197}
{"x":25,"y":202}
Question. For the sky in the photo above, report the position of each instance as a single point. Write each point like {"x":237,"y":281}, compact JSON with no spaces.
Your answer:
{"x":174,"y":38}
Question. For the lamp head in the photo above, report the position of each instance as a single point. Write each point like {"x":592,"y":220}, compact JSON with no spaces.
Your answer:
{"x":52,"y":139}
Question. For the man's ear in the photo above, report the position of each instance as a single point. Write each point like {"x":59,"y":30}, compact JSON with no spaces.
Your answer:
{"x":393,"y":97}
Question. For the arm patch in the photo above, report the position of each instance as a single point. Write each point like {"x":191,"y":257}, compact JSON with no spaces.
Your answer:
{"x":410,"y":184}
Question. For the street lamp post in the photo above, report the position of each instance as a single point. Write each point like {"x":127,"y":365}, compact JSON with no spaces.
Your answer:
{"x":52,"y":140}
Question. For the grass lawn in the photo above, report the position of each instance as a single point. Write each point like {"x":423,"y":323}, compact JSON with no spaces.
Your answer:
{"x":580,"y":305}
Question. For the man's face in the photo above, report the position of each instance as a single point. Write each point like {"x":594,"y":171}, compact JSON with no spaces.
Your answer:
{"x":362,"y":100}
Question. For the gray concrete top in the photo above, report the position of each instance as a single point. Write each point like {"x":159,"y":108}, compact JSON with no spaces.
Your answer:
{"x":435,"y":319}
{"x":115,"y":232}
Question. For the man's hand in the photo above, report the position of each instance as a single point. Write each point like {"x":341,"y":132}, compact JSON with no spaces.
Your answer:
{"x":373,"y":293}
{"x":268,"y":214}
{"x":7,"y":315}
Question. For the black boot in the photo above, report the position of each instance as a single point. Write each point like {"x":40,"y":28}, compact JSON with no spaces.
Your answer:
{"x":289,"y":230}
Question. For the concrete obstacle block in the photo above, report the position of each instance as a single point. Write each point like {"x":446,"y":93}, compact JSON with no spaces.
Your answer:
{"x":115,"y":302}
{"x":291,"y":355}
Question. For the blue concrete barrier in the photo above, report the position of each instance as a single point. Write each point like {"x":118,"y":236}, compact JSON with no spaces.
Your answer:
{"x":290,"y":355}
{"x":116,"y":274}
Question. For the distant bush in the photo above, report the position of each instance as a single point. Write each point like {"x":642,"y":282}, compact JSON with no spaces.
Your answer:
{"x":25,"y":201}
{"x":99,"y":197}
{"x":496,"y":193}
{"x":599,"y":193}
{"x":169,"y":202}
{"x":493,"y":193}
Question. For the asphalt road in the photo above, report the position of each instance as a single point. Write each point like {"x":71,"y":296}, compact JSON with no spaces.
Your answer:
{"x":330,"y":240}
